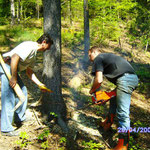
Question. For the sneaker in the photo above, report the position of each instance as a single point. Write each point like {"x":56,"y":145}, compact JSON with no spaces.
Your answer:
{"x":11,"y":133}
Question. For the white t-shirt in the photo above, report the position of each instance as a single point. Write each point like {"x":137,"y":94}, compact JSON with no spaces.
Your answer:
{"x":27,"y":51}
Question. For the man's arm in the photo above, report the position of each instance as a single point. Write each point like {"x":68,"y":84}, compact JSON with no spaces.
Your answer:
{"x":97,"y":81}
{"x":33,"y":77}
{"x":14,"y":67}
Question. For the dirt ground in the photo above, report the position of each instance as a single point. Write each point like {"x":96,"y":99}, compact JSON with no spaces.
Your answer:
{"x":83,"y":120}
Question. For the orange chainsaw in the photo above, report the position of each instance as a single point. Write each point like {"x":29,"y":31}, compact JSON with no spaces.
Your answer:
{"x":101,"y":97}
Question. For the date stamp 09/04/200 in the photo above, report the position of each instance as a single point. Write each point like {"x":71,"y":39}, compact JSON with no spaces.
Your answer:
{"x":134,"y":129}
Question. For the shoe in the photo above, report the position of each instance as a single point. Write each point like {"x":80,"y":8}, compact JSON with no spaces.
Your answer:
{"x":108,"y":122}
{"x":123,"y":141}
{"x":20,"y":123}
{"x":11,"y":133}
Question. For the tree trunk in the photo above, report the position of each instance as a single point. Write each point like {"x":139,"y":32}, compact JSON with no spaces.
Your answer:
{"x":21,"y":11}
{"x":86,"y":33}
{"x":52,"y":63}
{"x":18,"y":11}
{"x":12,"y":12}
{"x":38,"y":11}
{"x":70,"y":12}
{"x":146,"y":47}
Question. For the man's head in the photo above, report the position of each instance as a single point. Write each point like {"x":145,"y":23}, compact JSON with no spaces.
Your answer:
{"x":45,"y":42}
{"x":93,"y":52}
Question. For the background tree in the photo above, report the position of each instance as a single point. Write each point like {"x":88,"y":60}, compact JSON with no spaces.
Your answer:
{"x":70,"y":12}
{"x":18,"y":10}
{"x":86,"y":31}
{"x":12,"y":12}
{"x":52,"y":62}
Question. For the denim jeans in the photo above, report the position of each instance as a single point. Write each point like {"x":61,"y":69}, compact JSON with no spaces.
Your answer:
{"x":8,"y":102}
{"x":120,"y":105}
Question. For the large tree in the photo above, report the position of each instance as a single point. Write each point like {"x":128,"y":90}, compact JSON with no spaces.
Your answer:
{"x":53,"y":103}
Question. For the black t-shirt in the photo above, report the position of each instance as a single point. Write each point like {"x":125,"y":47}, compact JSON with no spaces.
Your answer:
{"x":112,"y":66}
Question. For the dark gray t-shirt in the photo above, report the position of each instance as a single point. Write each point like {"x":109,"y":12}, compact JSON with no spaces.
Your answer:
{"x":112,"y":66}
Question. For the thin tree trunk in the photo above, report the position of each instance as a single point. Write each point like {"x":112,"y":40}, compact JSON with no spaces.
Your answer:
{"x":70,"y":13}
{"x":146,"y":47}
{"x":38,"y":11}
{"x":21,"y":12}
{"x":86,"y":33}
{"x":12,"y":12}
{"x":18,"y":11}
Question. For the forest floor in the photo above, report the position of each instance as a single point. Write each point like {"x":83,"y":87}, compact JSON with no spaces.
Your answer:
{"x":82,"y":120}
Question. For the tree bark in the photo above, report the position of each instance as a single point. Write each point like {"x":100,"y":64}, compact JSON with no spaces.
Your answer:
{"x":38,"y":10}
{"x":86,"y":33}
{"x":12,"y":12}
{"x":18,"y":11}
{"x":70,"y":12}
{"x":52,"y":62}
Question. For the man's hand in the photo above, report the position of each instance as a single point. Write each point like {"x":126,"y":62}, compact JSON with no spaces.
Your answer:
{"x":33,"y":77}
{"x":14,"y":67}
{"x":91,"y":91}
{"x":97,"y":81}
{"x":12,"y":82}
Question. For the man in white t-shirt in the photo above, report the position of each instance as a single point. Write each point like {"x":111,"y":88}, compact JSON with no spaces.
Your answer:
{"x":19,"y":59}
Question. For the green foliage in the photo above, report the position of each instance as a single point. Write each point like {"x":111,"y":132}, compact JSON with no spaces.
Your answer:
{"x":24,"y":140}
{"x":143,"y":72}
{"x":62,"y":140}
{"x":4,"y":21}
{"x":139,"y":124}
{"x":44,"y":138}
{"x":133,"y":145}
{"x":71,"y":37}
{"x":99,"y":109}
{"x":139,"y":25}
{"x":67,"y":38}
{"x":143,"y":87}
{"x":43,"y":135}
{"x":91,"y":145}
{"x":75,"y":12}
{"x":4,"y":8}
{"x":20,"y":33}
{"x":109,"y":21}
{"x":16,"y":34}
{"x":106,"y":17}
{"x":45,"y":145}
{"x":53,"y":114}
{"x":144,"y":75}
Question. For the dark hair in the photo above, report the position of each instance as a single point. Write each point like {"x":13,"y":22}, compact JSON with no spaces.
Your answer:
{"x":45,"y":37}
{"x":95,"y":48}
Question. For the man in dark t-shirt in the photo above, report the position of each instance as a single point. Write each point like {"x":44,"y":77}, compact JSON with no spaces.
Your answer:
{"x":118,"y":71}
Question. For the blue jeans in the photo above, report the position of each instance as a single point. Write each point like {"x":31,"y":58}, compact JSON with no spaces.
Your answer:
{"x":8,"y":102}
{"x":120,"y":105}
